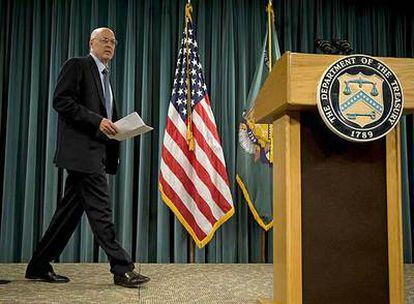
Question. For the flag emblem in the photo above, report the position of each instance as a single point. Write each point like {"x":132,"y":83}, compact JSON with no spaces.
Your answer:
{"x":256,"y":139}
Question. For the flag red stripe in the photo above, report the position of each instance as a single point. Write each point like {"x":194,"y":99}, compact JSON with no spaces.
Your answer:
{"x":206,"y":119}
{"x":178,"y":203}
{"x":208,"y":100}
{"x":191,"y":189}
{"x":214,"y":160}
{"x":202,"y":173}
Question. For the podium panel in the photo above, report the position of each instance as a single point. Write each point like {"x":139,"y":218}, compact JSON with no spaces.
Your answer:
{"x":344,"y":217}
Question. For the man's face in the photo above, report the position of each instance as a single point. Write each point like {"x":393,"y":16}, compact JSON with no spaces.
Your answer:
{"x":103,"y":45}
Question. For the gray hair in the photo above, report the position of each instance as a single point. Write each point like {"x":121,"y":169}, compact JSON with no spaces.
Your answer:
{"x":97,"y":31}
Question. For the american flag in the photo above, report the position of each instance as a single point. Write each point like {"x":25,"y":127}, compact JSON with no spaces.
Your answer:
{"x":194,"y":183}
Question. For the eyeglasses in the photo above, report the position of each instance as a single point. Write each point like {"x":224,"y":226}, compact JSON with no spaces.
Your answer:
{"x":105,"y":40}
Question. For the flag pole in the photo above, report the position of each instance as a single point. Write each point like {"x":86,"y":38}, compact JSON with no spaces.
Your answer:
{"x":191,"y":250}
{"x":263,"y":245}
{"x":270,"y":18}
{"x":190,"y":137}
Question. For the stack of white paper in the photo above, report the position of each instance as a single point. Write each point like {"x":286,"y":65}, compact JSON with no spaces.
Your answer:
{"x":130,"y":126}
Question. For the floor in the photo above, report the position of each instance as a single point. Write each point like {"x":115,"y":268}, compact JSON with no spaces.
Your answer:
{"x":170,"y":283}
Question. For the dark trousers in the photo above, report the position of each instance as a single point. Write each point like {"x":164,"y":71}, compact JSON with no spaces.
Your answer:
{"x":89,"y":193}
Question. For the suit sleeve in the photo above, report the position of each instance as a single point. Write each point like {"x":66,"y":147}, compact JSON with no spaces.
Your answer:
{"x":66,"y":97}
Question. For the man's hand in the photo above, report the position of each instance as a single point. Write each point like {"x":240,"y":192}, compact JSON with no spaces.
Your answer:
{"x":108,"y":127}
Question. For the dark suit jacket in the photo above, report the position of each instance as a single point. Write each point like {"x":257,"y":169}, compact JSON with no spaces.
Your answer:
{"x":79,"y":100}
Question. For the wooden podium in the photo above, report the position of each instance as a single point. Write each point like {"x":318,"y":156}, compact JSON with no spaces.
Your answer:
{"x":337,"y":204}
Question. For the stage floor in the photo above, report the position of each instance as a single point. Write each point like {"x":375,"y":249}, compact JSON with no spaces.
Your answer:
{"x":170,"y":283}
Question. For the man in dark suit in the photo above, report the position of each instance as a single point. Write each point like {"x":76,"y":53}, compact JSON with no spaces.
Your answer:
{"x":85,"y":104}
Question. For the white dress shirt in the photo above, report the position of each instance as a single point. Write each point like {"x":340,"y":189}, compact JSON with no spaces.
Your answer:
{"x":101,"y":67}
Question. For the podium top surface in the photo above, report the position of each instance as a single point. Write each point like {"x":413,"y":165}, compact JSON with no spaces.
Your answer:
{"x":293,"y":82}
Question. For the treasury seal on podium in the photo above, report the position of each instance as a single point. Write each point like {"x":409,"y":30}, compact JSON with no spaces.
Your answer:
{"x":360,"y":98}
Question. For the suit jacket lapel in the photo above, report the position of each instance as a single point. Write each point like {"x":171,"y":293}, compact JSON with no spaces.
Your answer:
{"x":95,"y":73}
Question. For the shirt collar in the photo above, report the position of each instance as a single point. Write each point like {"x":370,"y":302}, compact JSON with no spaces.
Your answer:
{"x":99,"y":63}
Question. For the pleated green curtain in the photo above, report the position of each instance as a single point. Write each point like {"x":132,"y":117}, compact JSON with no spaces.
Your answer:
{"x":37,"y":36}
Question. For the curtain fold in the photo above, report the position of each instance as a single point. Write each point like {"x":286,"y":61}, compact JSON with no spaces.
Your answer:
{"x":39,"y":35}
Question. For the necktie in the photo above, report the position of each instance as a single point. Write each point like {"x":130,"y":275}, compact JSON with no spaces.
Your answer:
{"x":107,"y":93}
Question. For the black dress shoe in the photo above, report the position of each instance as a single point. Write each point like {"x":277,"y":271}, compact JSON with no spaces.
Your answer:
{"x":130,"y":279}
{"x":49,"y":277}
